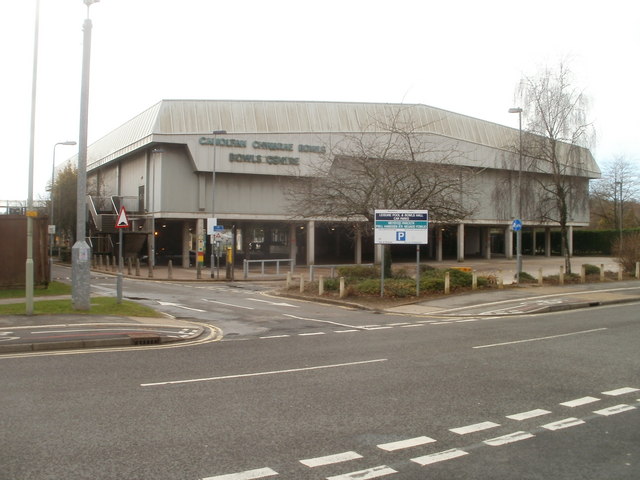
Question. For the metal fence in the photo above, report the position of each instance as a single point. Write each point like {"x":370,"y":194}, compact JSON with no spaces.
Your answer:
{"x":263,"y":266}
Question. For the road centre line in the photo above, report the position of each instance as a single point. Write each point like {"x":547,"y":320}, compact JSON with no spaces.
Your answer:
{"x":614,"y":410}
{"x":408,"y":443}
{"x":580,"y":401}
{"x":259,"y":374}
{"x":323,"y":321}
{"x":330,"y":459}
{"x":248,"y":475}
{"x":540,"y":338}
{"x":620,"y":391}
{"x":561,"y":424}
{"x":375,"y":472}
{"x":527,"y":415}
{"x":228,"y":304}
{"x":474,"y":428}
{"x":439,"y":457}
{"x":510,"y":438}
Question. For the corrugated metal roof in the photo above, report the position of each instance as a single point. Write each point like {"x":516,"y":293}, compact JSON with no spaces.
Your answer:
{"x":242,"y":116}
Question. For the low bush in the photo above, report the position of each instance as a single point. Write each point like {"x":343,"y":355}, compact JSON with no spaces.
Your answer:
{"x":591,"y":269}
{"x":358,"y":272}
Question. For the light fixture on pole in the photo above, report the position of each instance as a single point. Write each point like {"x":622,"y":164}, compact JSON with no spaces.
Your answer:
{"x":52,"y":225}
{"x":80,"y":252}
{"x":213,"y":198}
{"x":519,"y":224}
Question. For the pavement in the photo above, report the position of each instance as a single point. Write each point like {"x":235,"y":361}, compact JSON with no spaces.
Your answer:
{"x":79,"y":331}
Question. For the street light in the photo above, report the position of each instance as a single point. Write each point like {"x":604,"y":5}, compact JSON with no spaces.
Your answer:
{"x":215,"y":133}
{"x":28,"y":287}
{"x":80,"y":252}
{"x":52,"y":225}
{"x":519,"y":231}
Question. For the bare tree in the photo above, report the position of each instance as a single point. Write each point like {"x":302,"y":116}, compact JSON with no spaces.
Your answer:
{"x":394,"y":164}
{"x":619,"y":186}
{"x":555,"y":111}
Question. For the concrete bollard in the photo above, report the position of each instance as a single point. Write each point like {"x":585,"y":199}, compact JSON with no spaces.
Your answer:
{"x":447,"y":283}
{"x":99,"y":262}
{"x":301,"y":283}
{"x":540,"y":278}
{"x":321,"y":285}
{"x":602,"y":272}
{"x":343,"y":291}
{"x":561,"y":276}
{"x":637,"y":270}
{"x":170,"y":270}
{"x":500,"y":279}
{"x":583,"y":274}
{"x":289,"y":280}
{"x":106,"y":263}
{"x":114,"y":264}
{"x":620,"y":272}
{"x":128,"y":265}
{"x":137,"y":267}
{"x":150,"y":270}
{"x":474,"y":280}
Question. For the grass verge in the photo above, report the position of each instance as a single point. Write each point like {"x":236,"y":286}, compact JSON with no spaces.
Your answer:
{"x":99,"y":306}
{"x":54,"y":288}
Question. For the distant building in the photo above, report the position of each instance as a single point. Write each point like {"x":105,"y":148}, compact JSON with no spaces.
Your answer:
{"x":161,"y":166}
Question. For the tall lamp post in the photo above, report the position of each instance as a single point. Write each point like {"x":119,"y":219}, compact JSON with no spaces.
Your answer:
{"x":52,"y":225}
{"x":213,"y":194}
{"x":30,"y":212}
{"x":519,"y":230}
{"x":80,"y":252}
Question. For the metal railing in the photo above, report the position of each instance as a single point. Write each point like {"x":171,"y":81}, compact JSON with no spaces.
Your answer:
{"x":262,"y":263}
{"x":332,"y":268}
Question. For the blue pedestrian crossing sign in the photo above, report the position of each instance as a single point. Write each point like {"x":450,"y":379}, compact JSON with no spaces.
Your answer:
{"x":516,"y":225}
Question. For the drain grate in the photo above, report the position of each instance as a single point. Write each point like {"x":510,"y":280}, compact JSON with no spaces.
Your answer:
{"x":144,"y":338}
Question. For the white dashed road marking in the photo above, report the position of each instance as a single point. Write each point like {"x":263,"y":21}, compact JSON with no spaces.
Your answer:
{"x":614,"y":410}
{"x":620,"y":391}
{"x":510,"y":438}
{"x":527,"y":415}
{"x":248,"y":475}
{"x":580,"y":401}
{"x":374,"y":472}
{"x":474,"y":428}
{"x":566,"y":423}
{"x":330,"y":459}
{"x":411,"y":442}
{"x":439,"y":457}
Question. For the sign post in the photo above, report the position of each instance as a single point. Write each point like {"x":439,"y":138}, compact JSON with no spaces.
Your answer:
{"x":516,"y":226}
{"x":402,"y":227}
{"x":121,"y":222}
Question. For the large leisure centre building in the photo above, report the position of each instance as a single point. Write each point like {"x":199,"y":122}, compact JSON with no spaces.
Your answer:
{"x":183,"y":161}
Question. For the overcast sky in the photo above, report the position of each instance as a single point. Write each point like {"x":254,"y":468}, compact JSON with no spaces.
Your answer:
{"x":466,"y":56}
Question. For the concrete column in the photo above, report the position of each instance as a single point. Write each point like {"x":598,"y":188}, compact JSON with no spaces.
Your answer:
{"x":151,"y":244}
{"x":186,"y":244}
{"x":293,"y":245}
{"x":311,"y":242}
{"x":461,"y":242}
{"x":508,"y":243}
{"x":486,"y":242}
{"x":358,"y":253}
{"x":438,"y":243}
{"x":570,"y":240}
{"x":378,"y":253}
{"x":547,"y":242}
{"x":533,"y":241}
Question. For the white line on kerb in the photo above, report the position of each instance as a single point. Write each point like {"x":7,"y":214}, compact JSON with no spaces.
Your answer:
{"x":258,"y":374}
{"x":540,"y":338}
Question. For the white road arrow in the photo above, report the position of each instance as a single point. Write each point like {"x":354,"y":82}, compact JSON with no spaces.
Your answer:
{"x":180,"y":306}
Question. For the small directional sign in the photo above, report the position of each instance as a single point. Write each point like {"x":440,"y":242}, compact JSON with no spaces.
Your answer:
{"x":516,"y":225}
{"x":122,"y":221}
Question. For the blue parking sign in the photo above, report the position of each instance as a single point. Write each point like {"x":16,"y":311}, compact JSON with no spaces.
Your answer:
{"x":401,"y":236}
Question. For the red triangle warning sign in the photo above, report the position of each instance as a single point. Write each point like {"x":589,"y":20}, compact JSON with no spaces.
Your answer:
{"x":122,"y":221}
